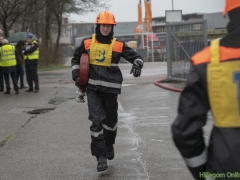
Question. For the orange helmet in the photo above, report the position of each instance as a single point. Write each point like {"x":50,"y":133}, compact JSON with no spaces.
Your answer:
{"x":105,"y":17}
{"x":230,"y":5}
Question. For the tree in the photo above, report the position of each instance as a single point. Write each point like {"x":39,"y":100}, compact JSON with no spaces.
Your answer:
{"x":61,"y":7}
{"x":11,"y":11}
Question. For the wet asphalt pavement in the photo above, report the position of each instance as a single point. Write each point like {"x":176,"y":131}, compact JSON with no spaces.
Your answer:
{"x":45,"y":135}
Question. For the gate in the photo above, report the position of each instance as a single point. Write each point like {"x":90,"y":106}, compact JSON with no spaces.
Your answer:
{"x":183,"y":39}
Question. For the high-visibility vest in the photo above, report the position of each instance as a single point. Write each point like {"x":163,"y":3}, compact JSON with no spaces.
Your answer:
{"x":223,"y":88}
{"x":34,"y":55}
{"x":101,"y":54}
{"x":7,"y":56}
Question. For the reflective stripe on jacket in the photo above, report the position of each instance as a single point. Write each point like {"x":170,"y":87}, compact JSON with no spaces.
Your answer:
{"x":35,"y":54}
{"x":8,"y":56}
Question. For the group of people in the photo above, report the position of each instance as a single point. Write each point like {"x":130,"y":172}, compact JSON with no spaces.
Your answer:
{"x":213,"y":84}
{"x":12,"y":59}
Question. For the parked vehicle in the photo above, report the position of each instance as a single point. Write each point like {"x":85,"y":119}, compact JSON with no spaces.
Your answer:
{"x":151,"y":41}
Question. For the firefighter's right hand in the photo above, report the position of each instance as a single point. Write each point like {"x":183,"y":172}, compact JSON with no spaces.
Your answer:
{"x":79,"y":85}
{"x":75,"y":74}
{"x":77,"y":82}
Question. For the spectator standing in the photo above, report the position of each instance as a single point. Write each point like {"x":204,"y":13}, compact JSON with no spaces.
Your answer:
{"x":31,"y":56}
{"x":8,"y":65}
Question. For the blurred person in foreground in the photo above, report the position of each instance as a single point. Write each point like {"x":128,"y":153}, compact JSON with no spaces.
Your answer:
{"x":20,"y":59}
{"x":213,"y":84}
{"x":1,"y":75}
{"x":104,"y":85}
{"x":31,"y":56}
{"x":8,"y":65}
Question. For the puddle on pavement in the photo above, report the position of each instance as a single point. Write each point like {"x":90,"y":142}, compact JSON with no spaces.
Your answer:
{"x":20,"y":110}
{"x":40,"y":111}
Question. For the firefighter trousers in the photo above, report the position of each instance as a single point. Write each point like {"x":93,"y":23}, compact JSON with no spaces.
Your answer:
{"x":102,"y":108}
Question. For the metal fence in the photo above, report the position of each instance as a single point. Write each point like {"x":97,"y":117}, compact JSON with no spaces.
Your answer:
{"x":183,"y":39}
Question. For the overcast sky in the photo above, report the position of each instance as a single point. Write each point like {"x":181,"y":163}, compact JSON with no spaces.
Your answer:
{"x":126,"y":10}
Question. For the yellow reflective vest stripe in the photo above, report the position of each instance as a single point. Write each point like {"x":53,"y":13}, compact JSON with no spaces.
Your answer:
{"x":34,"y":55}
{"x":7,"y":56}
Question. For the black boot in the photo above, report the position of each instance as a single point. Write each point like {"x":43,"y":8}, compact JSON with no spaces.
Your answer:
{"x":110,"y":152}
{"x":29,"y":90}
{"x":23,"y":87}
{"x":102,"y":164}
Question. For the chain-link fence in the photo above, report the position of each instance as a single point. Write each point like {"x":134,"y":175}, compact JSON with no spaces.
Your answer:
{"x":183,"y":39}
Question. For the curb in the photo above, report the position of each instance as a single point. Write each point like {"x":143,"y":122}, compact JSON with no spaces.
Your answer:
{"x":159,"y":83}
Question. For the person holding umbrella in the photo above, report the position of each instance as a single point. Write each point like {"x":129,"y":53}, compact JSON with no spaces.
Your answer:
{"x":31,"y":56}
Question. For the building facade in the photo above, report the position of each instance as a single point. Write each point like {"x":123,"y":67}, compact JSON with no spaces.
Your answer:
{"x":214,"y":21}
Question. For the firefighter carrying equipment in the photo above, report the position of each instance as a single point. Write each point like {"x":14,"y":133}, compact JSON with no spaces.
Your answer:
{"x":230,"y":5}
{"x":222,"y":79}
{"x":105,"y":17}
{"x":101,"y":54}
{"x":8,"y":57}
{"x":35,"y":54}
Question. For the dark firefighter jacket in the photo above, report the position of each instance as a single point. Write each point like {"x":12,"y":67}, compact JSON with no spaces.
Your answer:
{"x":215,"y":88}
{"x":103,"y":78}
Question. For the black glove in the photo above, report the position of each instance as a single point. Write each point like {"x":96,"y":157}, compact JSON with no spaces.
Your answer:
{"x":78,"y":85}
{"x":77,"y":82}
{"x":75,"y":74}
{"x":136,"y":68}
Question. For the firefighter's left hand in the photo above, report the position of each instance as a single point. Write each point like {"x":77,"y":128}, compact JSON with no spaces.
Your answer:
{"x":136,"y":70}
